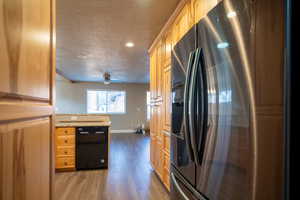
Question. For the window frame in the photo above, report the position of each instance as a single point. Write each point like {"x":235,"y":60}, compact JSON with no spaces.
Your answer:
{"x":107,"y":113}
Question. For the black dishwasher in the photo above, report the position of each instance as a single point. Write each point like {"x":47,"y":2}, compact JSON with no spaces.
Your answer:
{"x":91,"y":148}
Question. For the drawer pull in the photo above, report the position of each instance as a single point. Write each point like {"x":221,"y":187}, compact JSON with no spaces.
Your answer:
{"x":65,"y":163}
{"x":66,"y":131}
{"x":66,"y":152}
{"x":66,"y":141}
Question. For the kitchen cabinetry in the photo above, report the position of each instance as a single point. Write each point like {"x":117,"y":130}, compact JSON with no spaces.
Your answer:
{"x":65,"y":148}
{"x":188,"y":13}
{"x":27,"y":76}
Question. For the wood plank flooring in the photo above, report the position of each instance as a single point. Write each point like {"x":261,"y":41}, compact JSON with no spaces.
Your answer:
{"x":129,"y":177}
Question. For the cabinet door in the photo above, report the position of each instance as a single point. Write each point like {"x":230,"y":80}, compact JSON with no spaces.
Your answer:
{"x":166,"y":118}
{"x":201,"y":7}
{"x":167,"y":49}
{"x":153,"y":133}
{"x":269,"y":79}
{"x":25,"y":160}
{"x":159,"y":67}
{"x":182,"y":23}
{"x":153,"y":65}
{"x":27,"y":75}
{"x":160,"y":158}
{"x":152,"y":152}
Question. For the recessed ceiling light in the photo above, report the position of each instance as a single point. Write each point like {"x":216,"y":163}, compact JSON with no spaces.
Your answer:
{"x":129,"y":44}
{"x":231,"y":14}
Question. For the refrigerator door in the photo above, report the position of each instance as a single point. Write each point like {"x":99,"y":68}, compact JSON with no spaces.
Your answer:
{"x":181,"y":189}
{"x":225,"y":37}
{"x":181,"y":153}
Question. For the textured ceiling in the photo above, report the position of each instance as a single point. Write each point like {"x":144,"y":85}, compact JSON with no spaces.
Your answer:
{"x":91,"y":37}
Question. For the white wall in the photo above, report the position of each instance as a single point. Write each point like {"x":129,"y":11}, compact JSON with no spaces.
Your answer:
{"x":71,"y":99}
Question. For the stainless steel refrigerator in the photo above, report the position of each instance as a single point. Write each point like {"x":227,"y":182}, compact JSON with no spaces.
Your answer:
{"x":213,"y":126}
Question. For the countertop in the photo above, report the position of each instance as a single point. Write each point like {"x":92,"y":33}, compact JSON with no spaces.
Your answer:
{"x":76,"y":120}
{"x":76,"y":124}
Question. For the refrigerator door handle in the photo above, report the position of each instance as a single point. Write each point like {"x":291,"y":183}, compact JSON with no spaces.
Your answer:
{"x":204,"y":113}
{"x":185,"y":105}
{"x":191,"y":105}
{"x":178,"y":187}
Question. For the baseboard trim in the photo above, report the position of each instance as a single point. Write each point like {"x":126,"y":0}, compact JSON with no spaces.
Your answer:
{"x":123,"y":131}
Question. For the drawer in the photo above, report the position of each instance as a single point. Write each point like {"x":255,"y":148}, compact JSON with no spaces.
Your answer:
{"x":65,"y":151}
{"x":65,"y":162}
{"x":65,"y":131}
{"x":65,"y":140}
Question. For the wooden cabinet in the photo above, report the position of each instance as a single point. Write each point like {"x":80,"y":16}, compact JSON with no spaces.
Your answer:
{"x":25,"y":164}
{"x":166,"y":117}
{"x":27,"y":75}
{"x":201,"y":7}
{"x":183,"y":22}
{"x":65,"y":148}
{"x":268,"y":80}
{"x":153,"y":65}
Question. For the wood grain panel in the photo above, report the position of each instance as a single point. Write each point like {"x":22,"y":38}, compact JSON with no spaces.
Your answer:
{"x":167,"y":99}
{"x":25,"y":38}
{"x":159,"y":67}
{"x":27,"y":75}
{"x":201,"y":7}
{"x":269,"y":157}
{"x":269,"y":52}
{"x":26,"y":152}
{"x":153,"y":65}
{"x":11,"y":111}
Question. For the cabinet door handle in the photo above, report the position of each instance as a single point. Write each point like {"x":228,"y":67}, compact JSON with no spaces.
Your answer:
{"x":66,"y":141}
{"x":66,"y":163}
{"x":66,"y":152}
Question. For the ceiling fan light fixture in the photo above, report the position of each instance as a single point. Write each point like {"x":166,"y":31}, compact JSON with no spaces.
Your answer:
{"x":106,"y":82}
{"x":106,"y":77}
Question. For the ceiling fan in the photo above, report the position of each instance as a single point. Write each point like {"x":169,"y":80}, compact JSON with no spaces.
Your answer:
{"x":107,"y":78}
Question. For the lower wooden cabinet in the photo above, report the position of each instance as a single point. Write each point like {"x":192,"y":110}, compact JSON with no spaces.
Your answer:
{"x":25,"y":168}
{"x":160,"y":156}
{"x":65,"y":148}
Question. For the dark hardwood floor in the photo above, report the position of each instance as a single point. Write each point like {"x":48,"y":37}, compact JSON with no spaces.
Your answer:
{"x":129,"y":177}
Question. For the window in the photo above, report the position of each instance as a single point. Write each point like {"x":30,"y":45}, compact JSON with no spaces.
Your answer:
{"x":148,"y":106}
{"x":106,"y":102}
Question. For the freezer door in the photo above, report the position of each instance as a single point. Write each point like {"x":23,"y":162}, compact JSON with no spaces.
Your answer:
{"x":225,"y":37}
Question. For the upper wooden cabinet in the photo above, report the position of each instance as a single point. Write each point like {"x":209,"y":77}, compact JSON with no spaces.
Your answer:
{"x":168,"y":48}
{"x":159,"y":67}
{"x":25,"y":43}
{"x":153,"y":64}
{"x":167,"y":99}
{"x":182,"y":23}
{"x":201,"y":7}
